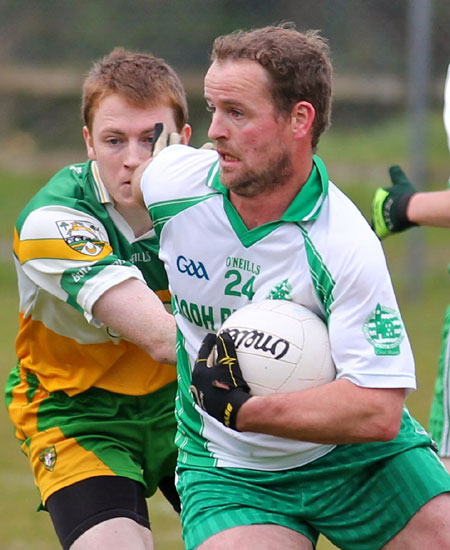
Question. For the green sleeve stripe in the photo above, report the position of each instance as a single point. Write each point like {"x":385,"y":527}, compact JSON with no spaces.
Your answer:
{"x":321,"y":277}
{"x":73,"y":280}
{"x":162,"y":212}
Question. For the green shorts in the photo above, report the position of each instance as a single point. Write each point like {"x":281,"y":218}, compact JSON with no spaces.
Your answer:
{"x":440,"y":410}
{"x":356,"y":508}
{"x":95,"y":433}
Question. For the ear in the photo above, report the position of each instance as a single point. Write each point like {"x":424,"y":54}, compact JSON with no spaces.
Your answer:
{"x":186,"y":133}
{"x":89,"y":144}
{"x":302,"y":119}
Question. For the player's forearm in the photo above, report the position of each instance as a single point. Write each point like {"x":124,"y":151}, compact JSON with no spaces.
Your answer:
{"x":136,"y":182}
{"x":134,"y":311}
{"x":431,"y":208}
{"x":336,"y":413}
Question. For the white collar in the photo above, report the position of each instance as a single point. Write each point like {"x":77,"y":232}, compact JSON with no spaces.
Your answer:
{"x":103,"y":195}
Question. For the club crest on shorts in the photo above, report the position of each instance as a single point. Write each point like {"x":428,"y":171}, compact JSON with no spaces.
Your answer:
{"x":82,"y":236}
{"x":48,"y":458}
{"x":384,"y":330}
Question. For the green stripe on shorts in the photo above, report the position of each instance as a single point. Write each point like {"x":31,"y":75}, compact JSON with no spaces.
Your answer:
{"x":440,"y":410}
{"x":132,"y":435}
{"x":359,"y":506}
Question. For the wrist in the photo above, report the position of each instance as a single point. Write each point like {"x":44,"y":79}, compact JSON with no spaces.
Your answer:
{"x":403,"y":221}
{"x":233,"y":408}
{"x":414,"y":208}
{"x":248,"y":412}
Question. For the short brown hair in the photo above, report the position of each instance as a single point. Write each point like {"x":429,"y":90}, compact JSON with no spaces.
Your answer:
{"x":297,"y":63}
{"x":140,"y":78}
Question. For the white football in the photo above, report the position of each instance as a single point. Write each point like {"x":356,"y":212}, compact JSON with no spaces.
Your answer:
{"x":281,"y":346}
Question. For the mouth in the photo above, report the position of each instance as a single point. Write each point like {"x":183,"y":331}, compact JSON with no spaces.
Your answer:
{"x":226,"y":157}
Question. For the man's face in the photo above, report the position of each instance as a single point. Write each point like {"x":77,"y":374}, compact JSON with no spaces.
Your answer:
{"x":121,"y":140}
{"x":253,"y":140}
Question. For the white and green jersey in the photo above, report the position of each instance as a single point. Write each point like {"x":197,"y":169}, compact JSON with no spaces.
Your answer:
{"x":70,"y":246}
{"x":440,"y":409}
{"x":321,"y":254}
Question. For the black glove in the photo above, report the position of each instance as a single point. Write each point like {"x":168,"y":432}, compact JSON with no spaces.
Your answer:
{"x":162,"y":139}
{"x":390,"y":203}
{"x":218,"y":387}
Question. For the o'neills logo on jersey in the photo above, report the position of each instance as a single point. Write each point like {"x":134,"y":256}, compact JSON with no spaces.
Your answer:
{"x":258,"y":340}
{"x":82,"y":236}
{"x":191,"y":268}
{"x":141,"y":257}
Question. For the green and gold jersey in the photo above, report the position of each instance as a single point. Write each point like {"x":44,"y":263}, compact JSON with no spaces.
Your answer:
{"x":70,"y":246}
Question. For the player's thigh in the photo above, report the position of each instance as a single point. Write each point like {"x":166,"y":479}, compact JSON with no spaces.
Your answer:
{"x":446,"y":463}
{"x":257,"y":537}
{"x":428,"y":528}
{"x":377,"y":502}
{"x":219,"y":502}
{"x":70,"y":438}
{"x":80,"y":507}
{"x":101,"y":433}
{"x":159,"y":450}
{"x":115,"y":534}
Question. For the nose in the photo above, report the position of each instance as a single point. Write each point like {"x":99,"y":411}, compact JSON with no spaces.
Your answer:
{"x":217,"y":128}
{"x":135,"y":155}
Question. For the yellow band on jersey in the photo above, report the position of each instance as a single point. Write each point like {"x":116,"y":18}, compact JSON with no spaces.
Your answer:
{"x":114,"y":365}
{"x":34,"y":249}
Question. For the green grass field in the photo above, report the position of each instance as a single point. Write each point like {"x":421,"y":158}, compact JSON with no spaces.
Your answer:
{"x":357,"y":161}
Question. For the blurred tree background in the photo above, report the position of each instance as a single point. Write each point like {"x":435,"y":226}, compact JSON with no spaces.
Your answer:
{"x":47,"y":47}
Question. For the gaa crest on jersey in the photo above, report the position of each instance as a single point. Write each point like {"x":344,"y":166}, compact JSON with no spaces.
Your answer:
{"x":48,"y":458}
{"x":82,"y":235}
{"x":384,"y":330}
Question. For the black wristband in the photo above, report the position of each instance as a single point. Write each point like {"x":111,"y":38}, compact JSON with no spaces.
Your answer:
{"x":236,"y":399}
{"x":402,"y":205}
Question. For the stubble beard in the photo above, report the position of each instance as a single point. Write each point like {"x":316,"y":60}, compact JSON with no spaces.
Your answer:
{"x":253,"y":183}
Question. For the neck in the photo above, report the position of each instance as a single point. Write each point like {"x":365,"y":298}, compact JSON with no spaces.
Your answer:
{"x":270,"y":205}
{"x":265,"y":208}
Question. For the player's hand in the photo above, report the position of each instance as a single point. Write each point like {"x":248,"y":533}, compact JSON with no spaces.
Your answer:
{"x":389,"y":204}
{"x":162,"y":139}
{"x":218,"y":386}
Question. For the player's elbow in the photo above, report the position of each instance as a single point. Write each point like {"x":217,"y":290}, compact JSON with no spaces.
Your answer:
{"x":161,"y":346}
{"x":161,"y":352}
{"x":386,"y":423}
{"x":387,"y":430}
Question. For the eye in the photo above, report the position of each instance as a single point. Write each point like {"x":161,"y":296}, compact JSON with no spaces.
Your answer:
{"x":210,"y":108}
{"x":236,"y":114}
{"x":113,"y":140}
